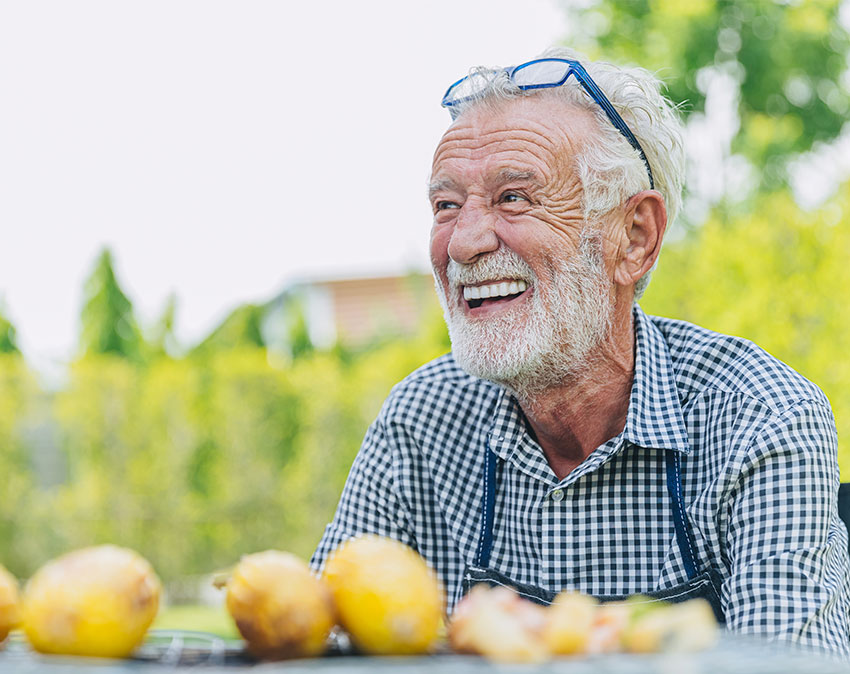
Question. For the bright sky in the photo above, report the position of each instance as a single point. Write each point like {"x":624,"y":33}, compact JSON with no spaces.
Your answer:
{"x":224,"y":148}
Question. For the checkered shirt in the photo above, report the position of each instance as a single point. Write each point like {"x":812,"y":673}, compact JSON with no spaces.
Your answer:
{"x":758,"y":457}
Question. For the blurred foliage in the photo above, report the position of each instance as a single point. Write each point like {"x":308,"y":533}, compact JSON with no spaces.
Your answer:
{"x":297,"y":332}
{"x":192,"y":461}
{"x":243,"y":327}
{"x":108,"y":322}
{"x":163,"y":340}
{"x":777,"y":275}
{"x":19,"y":396}
{"x":197,"y":618}
{"x":788,"y":59}
{"x":8,"y":342}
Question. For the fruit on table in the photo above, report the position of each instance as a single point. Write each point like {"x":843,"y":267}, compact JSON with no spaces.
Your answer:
{"x":689,"y":626}
{"x":570,"y":623}
{"x":279,"y":607}
{"x":95,"y":601}
{"x":695,"y":626}
{"x":9,"y":603}
{"x":649,"y":631}
{"x":387,"y":598}
{"x":499,"y":625}
{"x":609,"y":625}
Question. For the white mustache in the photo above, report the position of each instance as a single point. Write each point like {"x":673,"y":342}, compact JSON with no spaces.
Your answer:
{"x":501,"y":264}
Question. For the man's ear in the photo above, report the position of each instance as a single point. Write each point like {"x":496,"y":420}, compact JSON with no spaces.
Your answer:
{"x":644,"y":224}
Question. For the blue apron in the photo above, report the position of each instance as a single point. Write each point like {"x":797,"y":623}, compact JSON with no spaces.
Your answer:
{"x":703,"y":583}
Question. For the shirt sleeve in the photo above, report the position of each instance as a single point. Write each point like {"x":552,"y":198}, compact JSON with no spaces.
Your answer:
{"x":787,"y":547}
{"x":369,"y":503}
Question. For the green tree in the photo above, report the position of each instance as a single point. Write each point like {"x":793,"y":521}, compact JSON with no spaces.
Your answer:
{"x":21,"y":535}
{"x":243,"y":328}
{"x":8,"y":341}
{"x":191,"y":461}
{"x":108,"y":323}
{"x":163,"y":340}
{"x":784,"y":60}
{"x":299,"y":333}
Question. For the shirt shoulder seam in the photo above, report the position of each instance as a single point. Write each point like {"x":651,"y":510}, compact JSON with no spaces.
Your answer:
{"x":694,"y":393}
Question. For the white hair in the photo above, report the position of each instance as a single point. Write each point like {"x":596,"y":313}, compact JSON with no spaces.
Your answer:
{"x":609,"y":168}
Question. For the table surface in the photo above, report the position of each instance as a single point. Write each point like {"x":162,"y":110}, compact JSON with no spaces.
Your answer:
{"x":167,"y":651}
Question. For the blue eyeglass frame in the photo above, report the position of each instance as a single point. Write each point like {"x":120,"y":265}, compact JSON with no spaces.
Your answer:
{"x":586,"y":82}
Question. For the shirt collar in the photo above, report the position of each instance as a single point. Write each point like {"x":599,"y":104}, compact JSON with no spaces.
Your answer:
{"x":654,"y":418}
{"x":508,"y":429}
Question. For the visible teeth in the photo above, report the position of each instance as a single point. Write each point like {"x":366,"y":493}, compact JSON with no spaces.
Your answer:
{"x":502,"y":289}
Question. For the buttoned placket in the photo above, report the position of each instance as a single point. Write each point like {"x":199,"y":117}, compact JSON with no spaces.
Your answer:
{"x":559,"y":509}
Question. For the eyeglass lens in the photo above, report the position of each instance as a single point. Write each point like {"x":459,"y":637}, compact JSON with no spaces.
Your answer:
{"x":542,"y":72}
{"x":471,"y":85}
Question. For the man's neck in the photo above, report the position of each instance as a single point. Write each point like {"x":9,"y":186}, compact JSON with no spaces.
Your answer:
{"x":572,"y":420}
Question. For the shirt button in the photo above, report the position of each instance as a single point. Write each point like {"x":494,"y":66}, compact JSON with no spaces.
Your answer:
{"x":558,"y":495}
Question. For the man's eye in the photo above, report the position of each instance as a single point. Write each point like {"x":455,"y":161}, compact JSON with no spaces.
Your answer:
{"x":445,"y":205}
{"x":512,"y":198}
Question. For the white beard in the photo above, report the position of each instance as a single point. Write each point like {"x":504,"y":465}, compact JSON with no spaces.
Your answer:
{"x":543,"y":342}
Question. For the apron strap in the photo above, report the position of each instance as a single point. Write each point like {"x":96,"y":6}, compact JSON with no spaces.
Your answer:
{"x":485,"y":536}
{"x":680,"y":519}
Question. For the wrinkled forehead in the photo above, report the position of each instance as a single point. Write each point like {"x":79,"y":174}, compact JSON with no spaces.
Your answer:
{"x":548,"y":130}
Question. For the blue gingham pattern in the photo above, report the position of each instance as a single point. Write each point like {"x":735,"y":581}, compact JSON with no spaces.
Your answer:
{"x":757,"y":445}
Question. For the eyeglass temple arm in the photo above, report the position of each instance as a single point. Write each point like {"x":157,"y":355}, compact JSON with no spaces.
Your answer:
{"x":599,"y":96}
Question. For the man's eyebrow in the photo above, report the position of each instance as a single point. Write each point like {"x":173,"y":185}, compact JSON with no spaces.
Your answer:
{"x":440,"y":185}
{"x":504,"y":176}
{"x":510,"y":176}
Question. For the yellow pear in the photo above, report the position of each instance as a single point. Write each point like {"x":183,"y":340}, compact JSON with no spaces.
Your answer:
{"x":387,"y":598}
{"x":279,"y":607}
{"x":96,"y":601}
{"x":10,"y":612}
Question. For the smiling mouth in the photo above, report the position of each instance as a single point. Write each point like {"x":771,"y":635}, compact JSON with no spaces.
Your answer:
{"x":502,"y":291}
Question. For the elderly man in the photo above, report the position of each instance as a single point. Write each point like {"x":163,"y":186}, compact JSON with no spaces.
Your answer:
{"x":570,"y":440}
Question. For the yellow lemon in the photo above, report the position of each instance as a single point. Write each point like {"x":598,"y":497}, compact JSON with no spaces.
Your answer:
{"x":96,"y":601}
{"x":9,"y":603}
{"x":279,"y":607}
{"x":387,"y":598}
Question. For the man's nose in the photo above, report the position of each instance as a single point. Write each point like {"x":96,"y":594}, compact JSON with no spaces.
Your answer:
{"x":474,"y":234}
